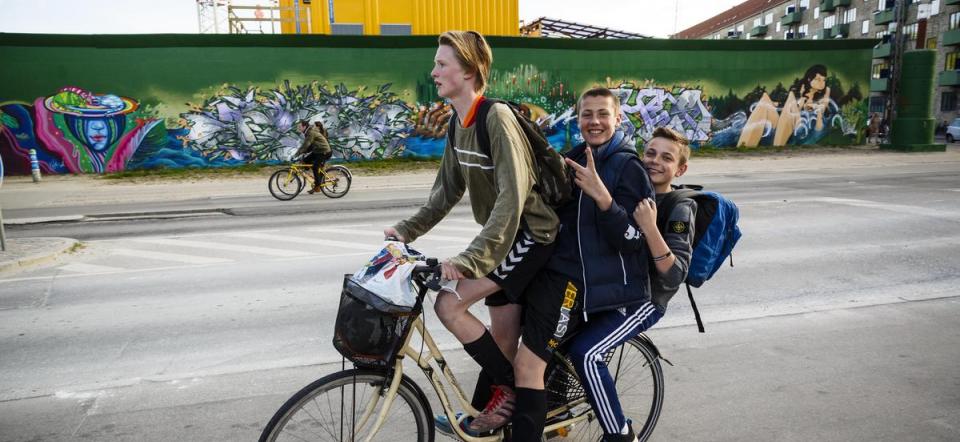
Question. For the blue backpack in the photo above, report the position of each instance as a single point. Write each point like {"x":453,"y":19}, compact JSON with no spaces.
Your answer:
{"x":715,"y":234}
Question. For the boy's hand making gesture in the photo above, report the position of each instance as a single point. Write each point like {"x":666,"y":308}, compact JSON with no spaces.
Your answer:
{"x":589,"y":182}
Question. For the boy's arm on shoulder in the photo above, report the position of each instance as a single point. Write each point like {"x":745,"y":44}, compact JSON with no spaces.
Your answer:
{"x":616,"y":224}
{"x":680,"y":241}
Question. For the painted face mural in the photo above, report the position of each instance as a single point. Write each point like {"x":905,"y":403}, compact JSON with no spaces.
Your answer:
{"x":73,"y":131}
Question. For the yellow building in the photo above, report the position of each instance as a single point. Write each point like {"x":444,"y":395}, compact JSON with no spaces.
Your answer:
{"x":399,"y":17}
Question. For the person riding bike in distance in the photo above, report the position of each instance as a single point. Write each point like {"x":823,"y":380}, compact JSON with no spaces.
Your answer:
{"x":518,"y":226}
{"x":599,"y":267}
{"x":315,"y":148}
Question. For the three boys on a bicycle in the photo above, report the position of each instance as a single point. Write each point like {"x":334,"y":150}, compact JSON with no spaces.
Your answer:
{"x":591,"y":275}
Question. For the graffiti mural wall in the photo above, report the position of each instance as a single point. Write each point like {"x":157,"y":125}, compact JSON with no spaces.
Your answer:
{"x":223,"y":102}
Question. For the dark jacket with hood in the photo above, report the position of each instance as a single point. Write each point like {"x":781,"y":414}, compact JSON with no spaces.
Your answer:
{"x":605,"y":250}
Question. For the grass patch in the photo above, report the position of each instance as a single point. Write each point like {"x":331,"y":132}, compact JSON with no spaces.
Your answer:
{"x":372,"y":167}
{"x":733,"y":152}
{"x":76,"y":247}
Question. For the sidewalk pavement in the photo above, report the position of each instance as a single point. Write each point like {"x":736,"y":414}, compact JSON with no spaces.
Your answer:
{"x":82,"y":194}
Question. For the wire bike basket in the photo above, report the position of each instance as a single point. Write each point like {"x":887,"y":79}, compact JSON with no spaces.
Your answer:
{"x":370,"y":331}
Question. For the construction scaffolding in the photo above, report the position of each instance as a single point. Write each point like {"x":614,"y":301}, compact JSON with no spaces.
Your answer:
{"x":551,"y":28}
{"x":249,"y":17}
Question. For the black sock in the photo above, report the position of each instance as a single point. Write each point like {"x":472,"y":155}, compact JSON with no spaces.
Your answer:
{"x":531,"y":411}
{"x":486,"y":352}
{"x":481,"y":393}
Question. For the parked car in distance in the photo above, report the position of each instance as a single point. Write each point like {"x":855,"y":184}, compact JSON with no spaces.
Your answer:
{"x":953,"y":131}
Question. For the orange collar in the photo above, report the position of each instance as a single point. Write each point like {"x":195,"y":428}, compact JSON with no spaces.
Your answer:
{"x":468,"y":120}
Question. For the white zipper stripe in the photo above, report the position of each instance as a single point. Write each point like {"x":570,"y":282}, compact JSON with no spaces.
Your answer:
{"x":583,"y":268}
{"x":476,"y":165}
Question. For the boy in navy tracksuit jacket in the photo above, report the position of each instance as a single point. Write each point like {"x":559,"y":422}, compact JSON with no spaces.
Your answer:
{"x":599,"y":267}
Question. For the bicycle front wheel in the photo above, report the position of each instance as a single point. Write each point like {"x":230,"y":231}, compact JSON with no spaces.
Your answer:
{"x":635,"y":367}
{"x":337,"y":181}
{"x":344,"y":406}
{"x":285,"y":184}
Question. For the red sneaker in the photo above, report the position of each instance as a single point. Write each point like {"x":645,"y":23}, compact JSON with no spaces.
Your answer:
{"x":498,"y":411}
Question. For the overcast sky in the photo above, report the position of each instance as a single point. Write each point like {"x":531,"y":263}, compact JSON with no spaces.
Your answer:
{"x":658,"y":18}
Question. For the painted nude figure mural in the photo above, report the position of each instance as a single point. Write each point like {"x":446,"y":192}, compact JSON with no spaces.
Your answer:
{"x":807,"y":102}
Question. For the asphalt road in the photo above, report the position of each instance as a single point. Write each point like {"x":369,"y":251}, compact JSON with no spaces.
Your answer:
{"x":838,"y":321}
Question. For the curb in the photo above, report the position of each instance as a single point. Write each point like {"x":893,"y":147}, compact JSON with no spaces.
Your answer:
{"x":60,"y":246}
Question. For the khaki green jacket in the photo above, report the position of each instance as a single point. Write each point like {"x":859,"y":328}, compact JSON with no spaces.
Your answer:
{"x":313,"y":141}
{"x":501,"y":193}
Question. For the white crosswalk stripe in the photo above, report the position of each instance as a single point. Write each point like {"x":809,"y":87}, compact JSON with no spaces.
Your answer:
{"x":79,"y":267}
{"x":220,"y":246}
{"x":313,"y":241}
{"x":430,"y":236}
{"x":166,"y":256}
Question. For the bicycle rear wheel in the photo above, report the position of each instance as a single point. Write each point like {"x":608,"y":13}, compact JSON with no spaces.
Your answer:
{"x":285,"y":184}
{"x":333,"y":409}
{"x":337,"y":182}
{"x":635,"y":366}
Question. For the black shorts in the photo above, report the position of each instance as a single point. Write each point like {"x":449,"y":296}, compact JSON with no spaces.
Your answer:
{"x":552,"y":311}
{"x":515,"y":272}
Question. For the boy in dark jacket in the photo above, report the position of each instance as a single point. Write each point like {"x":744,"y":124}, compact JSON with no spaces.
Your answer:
{"x":664,"y":157}
{"x":600,"y":262}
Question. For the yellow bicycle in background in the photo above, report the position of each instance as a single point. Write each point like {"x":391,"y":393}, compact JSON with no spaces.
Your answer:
{"x":286,"y":183}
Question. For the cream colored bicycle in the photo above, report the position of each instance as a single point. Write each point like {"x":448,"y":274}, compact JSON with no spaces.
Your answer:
{"x":376,"y":401}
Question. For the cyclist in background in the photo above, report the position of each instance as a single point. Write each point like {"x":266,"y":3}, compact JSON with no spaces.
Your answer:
{"x":315,"y":149}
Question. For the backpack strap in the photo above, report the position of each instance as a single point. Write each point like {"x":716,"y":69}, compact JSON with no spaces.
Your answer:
{"x":696,"y":312}
{"x":480,"y":124}
{"x":669,"y":201}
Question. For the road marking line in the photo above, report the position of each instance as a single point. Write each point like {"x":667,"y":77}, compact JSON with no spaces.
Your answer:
{"x":372,"y":248}
{"x":165,"y":256}
{"x":900,"y":208}
{"x":219,"y":246}
{"x":79,"y":267}
{"x":428,"y":236}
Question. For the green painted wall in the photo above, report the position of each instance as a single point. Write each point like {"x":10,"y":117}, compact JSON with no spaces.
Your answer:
{"x":369,"y":91}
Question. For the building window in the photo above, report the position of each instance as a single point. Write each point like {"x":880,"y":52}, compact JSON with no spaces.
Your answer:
{"x":932,"y":43}
{"x":768,"y":19}
{"x":910,"y":31}
{"x":850,"y":16}
{"x":865,"y":27}
{"x":934,"y":7}
{"x":804,"y":4}
{"x":803,"y":31}
{"x":778,"y":26}
{"x":877,"y":104}
{"x":758,"y":21}
{"x":829,"y":21}
{"x":950,"y":61}
{"x":816,"y":13}
{"x":948,"y":101}
{"x":880,"y":70}
{"x":954,"y":20}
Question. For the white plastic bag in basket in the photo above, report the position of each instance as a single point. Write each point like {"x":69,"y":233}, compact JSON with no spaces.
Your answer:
{"x":387,"y":274}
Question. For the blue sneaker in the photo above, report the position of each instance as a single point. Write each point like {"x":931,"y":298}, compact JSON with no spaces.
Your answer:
{"x":442,"y":424}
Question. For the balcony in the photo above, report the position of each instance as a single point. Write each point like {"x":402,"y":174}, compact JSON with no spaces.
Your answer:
{"x":952,"y":2}
{"x":824,"y":34}
{"x":840,"y":31}
{"x":841,"y":3}
{"x":884,"y":50}
{"x":792,"y":18}
{"x":949,"y":78}
{"x":758,"y":31}
{"x":883,"y":17}
{"x":879,"y":84}
{"x":828,"y":5}
{"x":951,"y":37}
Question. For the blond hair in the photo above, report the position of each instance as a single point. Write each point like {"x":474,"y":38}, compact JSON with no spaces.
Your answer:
{"x":472,"y":52}
{"x":600,"y":92}
{"x":681,"y":141}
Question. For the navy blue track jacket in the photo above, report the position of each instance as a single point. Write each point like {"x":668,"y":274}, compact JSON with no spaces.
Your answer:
{"x":605,"y":249}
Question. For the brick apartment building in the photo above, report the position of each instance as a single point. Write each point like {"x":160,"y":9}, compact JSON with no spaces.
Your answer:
{"x":932,"y":24}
